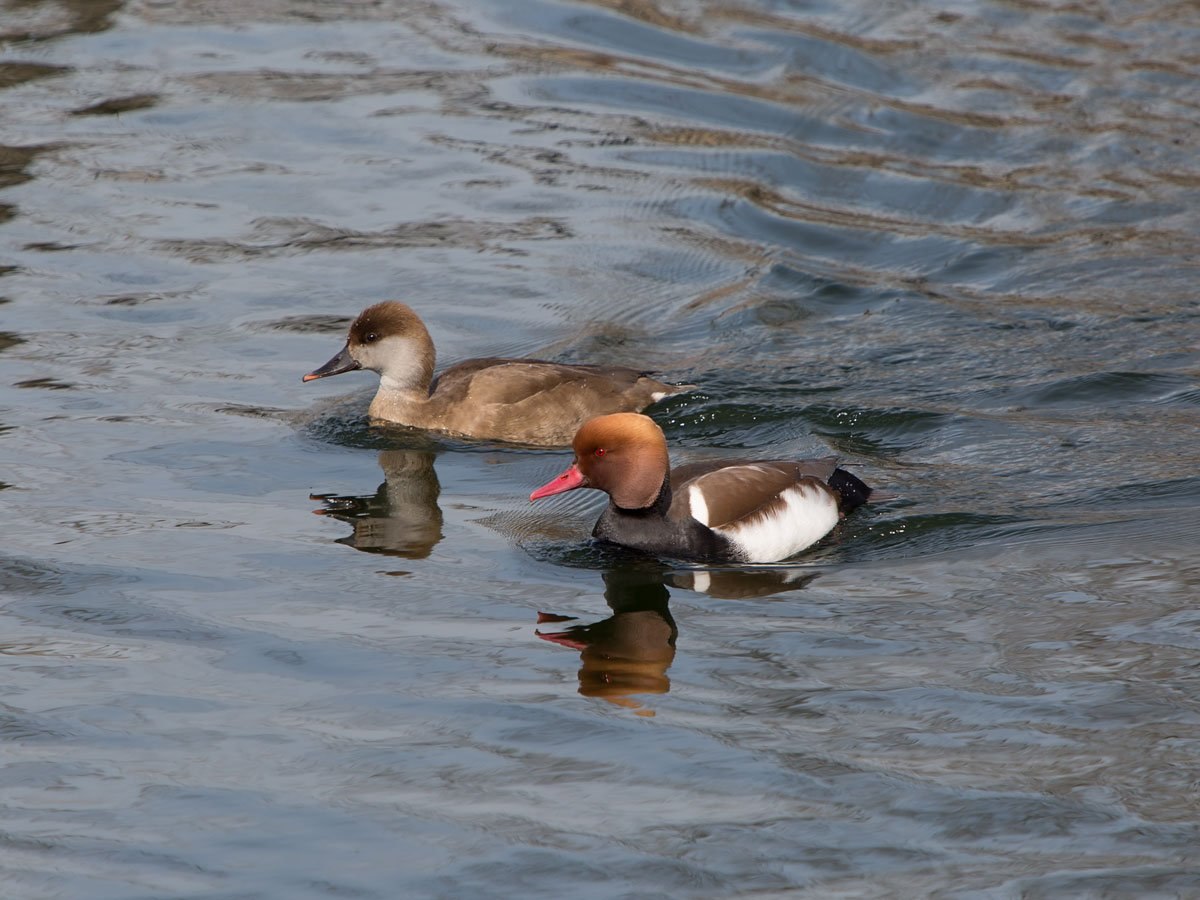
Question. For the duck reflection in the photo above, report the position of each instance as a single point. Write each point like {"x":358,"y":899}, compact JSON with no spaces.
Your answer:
{"x":630,"y":652}
{"x":740,"y":584}
{"x":402,"y":518}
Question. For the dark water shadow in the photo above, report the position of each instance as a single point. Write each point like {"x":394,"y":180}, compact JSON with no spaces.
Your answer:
{"x":402,"y":518}
{"x":343,"y":423}
{"x":21,"y":25}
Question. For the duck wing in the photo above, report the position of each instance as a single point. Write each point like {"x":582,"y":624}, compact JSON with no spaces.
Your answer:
{"x":504,"y":381}
{"x":534,"y":401}
{"x":720,"y":493}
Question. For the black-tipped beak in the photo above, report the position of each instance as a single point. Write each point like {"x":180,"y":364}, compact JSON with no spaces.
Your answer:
{"x":343,"y":362}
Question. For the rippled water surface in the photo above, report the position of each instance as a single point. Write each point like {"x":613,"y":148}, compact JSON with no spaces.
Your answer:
{"x":954,"y":244}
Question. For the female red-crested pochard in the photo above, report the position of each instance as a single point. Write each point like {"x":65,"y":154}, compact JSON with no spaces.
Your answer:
{"x":735,"y":510}
{"x":525,"y":401}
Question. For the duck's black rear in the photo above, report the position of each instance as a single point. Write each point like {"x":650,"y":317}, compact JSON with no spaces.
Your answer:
{"x":852,"y":492}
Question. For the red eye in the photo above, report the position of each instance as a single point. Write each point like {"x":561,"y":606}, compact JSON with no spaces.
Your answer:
{"x":599,"y":451}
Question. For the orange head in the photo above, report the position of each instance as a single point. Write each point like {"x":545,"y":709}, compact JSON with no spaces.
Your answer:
{"x":622,"y":454}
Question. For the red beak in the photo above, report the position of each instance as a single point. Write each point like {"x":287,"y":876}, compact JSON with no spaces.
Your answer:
{"x":569,"y":480}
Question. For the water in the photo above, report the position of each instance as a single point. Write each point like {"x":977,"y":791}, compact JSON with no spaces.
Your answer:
{"x":954,"y":245}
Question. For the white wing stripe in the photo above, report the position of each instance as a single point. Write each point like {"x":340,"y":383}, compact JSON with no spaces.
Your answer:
{"x":697,"y":505}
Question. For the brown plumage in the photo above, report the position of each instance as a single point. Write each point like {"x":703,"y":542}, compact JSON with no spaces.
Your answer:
{"x":526,"y":401}
{"x":734,"y":489}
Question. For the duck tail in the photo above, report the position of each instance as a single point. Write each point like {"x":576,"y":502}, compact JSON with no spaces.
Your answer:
{"x":852,"y":492}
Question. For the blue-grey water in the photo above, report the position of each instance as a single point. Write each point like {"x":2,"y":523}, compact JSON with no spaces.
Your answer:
{"x":955,"y":244}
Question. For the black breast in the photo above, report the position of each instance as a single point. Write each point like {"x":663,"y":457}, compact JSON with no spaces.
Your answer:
{"x":651,"y":531}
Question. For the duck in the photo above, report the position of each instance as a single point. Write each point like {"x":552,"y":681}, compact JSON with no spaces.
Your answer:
{"x":525,"y":401}
{"x":724,"y":510}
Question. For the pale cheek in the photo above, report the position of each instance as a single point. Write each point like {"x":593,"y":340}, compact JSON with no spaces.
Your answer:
{"x":387,"y":354}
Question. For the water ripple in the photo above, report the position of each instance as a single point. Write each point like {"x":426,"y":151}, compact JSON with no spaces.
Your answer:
{"x":954,"y":245}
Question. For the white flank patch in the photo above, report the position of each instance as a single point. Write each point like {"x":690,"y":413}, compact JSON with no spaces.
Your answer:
{"x":808,"y":514}
{"x":658,"y":395}
{"x":696,"y":504}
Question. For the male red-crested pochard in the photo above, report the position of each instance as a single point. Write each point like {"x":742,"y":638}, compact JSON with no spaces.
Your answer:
{"x":737,"y":510}
{"x":525,"y":401}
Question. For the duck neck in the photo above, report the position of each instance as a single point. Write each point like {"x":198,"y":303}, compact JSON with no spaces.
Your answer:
{"x":408,"y":389}
{"x":657,"y":509}
{"x":409,"y":370}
